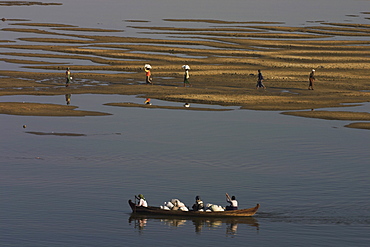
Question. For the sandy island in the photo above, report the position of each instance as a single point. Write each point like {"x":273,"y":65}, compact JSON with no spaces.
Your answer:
{"x":224,"y":61}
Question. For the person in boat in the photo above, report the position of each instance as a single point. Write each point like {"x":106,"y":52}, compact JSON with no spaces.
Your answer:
{"x":233,"y":203}
{"x":142,"y":201}
{"x":198,"y":205}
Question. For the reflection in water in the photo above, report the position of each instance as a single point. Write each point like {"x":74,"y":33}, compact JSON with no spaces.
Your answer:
{"x":140,"y":221}
{"x":68,"y":98}
{"x":232,"y":228}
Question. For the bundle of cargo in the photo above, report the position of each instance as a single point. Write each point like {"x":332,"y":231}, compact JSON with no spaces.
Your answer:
{"x":174,"y":204}
{"x":214,"y":208}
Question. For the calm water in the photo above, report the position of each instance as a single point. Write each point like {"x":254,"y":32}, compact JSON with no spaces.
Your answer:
{"x":310,"y":176}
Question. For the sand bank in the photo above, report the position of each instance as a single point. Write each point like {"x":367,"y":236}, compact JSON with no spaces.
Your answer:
{"x":128,"y":104}
{"x":25,"y":3}
{"x":332,"y":115}
{"x":54,"y":134}
{"x":36,"y":109}
{"x":224,"y":61}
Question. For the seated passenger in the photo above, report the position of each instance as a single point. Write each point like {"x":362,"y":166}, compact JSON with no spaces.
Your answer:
{"x":142,"y":201}
{"x":198,"y":205}
{"x":233,"y":203}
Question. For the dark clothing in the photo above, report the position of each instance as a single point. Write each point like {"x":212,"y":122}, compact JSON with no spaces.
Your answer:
{"x":259,"y":81}
{"x":68,"y":77}
{"x":198,"y":205}
{"x":260,"y":76}
{"x":233,"y":204}
{"x":312,"y":76}
{"x":311,"y":80}
{"x":231,"y":208}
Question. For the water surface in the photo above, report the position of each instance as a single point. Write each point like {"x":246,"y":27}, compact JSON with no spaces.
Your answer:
{"x":310,"y":176}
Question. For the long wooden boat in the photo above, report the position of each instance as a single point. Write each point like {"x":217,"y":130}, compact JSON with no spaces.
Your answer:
{"x":158,"y":211}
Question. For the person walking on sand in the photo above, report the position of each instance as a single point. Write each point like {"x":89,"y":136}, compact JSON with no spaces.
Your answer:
{"x":186,"y":75}
{"x":68,"y":77}
{"x":148,"y":79}
{"x":260,"y":80}
{"x":311,"y":80}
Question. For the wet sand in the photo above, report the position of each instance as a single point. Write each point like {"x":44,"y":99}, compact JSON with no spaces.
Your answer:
{"x":224,"y":61}
{"x":25,"y":3}
{"x":128,"y":104}
{"x":36,"y":109}
{"x":54,"y":134}
{"x":332,"y":115}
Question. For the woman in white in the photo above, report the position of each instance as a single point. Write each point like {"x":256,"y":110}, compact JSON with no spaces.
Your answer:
{"x":142,"y":201}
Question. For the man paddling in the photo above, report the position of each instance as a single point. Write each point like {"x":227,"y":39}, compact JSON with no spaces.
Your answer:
{"x":233,"y":203}
{"x":142,"y":201}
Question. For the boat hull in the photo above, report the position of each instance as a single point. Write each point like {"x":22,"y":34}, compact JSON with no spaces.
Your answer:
{"x":158,"y":211}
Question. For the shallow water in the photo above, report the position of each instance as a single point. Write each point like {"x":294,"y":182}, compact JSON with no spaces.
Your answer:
{"x":310,"y":176}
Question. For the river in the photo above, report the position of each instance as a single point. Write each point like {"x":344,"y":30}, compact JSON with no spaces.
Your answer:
{"x":65,"y":181}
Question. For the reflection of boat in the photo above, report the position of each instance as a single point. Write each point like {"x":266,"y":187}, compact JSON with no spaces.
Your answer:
{"x":158,"y":211}
{"x":198,"y":222}
{"x":212,"y":221}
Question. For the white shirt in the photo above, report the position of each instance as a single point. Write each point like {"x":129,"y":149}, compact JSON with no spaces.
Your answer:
{"x":142,"y":203}
{"x":234,"y":203}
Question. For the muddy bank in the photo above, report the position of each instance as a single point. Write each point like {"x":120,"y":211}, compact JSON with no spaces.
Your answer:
{"x":54,"y":134}
{"x":359,"y":125}
{"x":36,"y":109}
{"x":188,"y":108}
{"x":332,"y":115}
{"x":25,"y":3}
{"x":224,"y":61}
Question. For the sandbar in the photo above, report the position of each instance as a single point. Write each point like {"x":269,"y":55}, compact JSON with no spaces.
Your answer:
{"x":332,"y":115}
{"x":129,"y":104}
{"x":25,"y":3}
{"x":224,"y":61}
{"x":54,"y":134}
{"x":362,"y":125}
{"x":37,"y":109}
